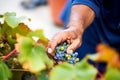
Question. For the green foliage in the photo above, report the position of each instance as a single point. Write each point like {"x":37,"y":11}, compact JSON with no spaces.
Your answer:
{"x":38,"y":33}
{"x":8,"y":33}
{"x":33,"y":54}
{"x":81,"y":70}
{"x":42,"y":76}
{"x":112,"y":74}
{"x":5,"y":73}
{"x":1,"y":16}
{"x":12,"y":20}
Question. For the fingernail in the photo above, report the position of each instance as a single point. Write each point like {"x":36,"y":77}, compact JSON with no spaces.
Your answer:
{"x":49,"y":50}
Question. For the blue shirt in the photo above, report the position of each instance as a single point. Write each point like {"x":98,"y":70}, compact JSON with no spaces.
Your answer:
{"x":105,"y":27}
{"x":107,"y":21}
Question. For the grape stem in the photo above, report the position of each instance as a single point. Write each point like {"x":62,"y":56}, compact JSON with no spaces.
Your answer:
{"x":9,"y":54}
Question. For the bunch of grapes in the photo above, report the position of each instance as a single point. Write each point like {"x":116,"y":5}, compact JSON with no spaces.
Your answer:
{"x":62,"y":55}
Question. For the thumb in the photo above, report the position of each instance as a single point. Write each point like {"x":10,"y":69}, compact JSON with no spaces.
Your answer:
{"x":75,"y":44}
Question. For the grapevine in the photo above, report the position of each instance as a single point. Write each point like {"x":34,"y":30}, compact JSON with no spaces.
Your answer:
{"x":62,"y":55}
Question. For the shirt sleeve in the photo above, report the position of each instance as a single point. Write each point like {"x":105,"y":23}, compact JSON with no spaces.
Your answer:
{"x":93,"y":4}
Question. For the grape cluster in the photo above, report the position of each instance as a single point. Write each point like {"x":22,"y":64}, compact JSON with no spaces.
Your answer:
{"x":62,"y":55}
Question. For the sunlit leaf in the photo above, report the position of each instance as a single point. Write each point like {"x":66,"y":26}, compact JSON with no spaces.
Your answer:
{"x":38,"y":33}
{"x":112,"y":74}
{"x":5,"y":73}
{"x":85,"y":68}
{"x":106,"y":54}
{"x":80,"y":71}
{"x":21,"y":29}
{"x":62,"y":72}
{"x":12,"y":20}
{"x":32,"y":55}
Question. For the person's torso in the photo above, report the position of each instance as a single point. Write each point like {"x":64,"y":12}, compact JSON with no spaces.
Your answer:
{"x":107,"y":25}
{"x":110,"y":11}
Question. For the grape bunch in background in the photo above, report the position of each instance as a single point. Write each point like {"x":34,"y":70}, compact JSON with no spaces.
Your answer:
{"x":62,"y":55}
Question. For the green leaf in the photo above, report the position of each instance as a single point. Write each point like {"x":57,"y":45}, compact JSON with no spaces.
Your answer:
{"x":86,"y":70}
{"x":93,"y":57}
{"x":112,"y":74}
{"x":11,"y":41}
{"x":33,"y":55}
{"x":38,"y":33}
{"x":42,"y":76}
{"x":1,"y":16}
{"x":12,"y":20}
{"x":63,"y":71}
{"x":5,"y":72}
{"x":22,"y":29}
{"x":81,"y":70}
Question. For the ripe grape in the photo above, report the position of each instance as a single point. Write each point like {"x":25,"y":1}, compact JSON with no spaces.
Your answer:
{"x":62,"y":55}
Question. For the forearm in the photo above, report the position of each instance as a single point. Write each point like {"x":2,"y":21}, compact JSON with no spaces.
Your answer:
{"x":81,"y":17}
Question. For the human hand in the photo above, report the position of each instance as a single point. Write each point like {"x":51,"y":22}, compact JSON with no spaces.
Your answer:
{"x":81,"y":17}
{"x":72,"y":35}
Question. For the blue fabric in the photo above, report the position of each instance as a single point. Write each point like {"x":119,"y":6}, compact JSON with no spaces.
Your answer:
{"x":66,"y":13}
{"x":105,"y":27}
{"x":93,"y":4}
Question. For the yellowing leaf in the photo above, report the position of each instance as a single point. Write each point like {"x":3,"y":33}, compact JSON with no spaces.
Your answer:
{"x":45,"y":43}
{"x":106,"y":54}
{"x":32,"y":54}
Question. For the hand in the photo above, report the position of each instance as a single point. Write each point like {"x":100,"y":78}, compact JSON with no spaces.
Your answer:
{"x":72,"y":35}
{"x":81,"y":17}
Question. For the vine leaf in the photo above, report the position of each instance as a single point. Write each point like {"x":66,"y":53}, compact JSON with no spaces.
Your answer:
{"x":112,"y":74}
{"x":106,"y":54}
{"x":5,"y":72}
{"x":32,"y":55}
{"x":10,"y":33}
{"x":81,"y":70}
{"x":20,"y":29}
{"x":1,"y":16}
{"x":85,"y":68}
{"x":38,"y":33}
{"x":12,"y":20}
{"x":42,"y":75}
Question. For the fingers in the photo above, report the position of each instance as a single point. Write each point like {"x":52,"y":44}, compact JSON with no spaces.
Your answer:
{"x":74,"y":45}
{"x":58,"y":38}
{"x":67,"y":35}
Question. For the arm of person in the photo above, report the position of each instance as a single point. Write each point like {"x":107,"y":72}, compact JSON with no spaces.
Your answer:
{"x":81,"y":17}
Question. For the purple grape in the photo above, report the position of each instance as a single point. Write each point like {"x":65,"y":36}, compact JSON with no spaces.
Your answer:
{"x":62,"y":55}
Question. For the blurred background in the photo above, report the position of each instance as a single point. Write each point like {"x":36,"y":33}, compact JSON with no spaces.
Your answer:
{"x":44,"y":14}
